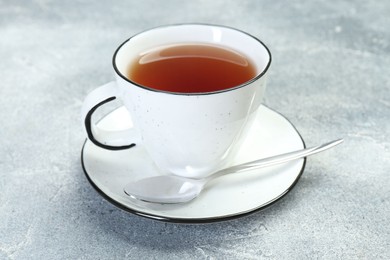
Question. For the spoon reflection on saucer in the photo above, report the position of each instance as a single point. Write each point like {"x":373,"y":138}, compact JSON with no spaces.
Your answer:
{"x":170,"y":189}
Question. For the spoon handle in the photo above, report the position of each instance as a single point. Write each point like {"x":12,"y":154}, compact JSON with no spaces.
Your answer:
{"x":278,"y":159}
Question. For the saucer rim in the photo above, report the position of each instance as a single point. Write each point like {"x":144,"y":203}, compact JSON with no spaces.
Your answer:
{"x":197,"y":220}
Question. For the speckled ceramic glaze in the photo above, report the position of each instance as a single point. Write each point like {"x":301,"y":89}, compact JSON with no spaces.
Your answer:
{"x":190,"y":135}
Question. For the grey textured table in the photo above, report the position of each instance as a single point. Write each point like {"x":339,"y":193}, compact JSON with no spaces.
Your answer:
{"x":330,"y":77}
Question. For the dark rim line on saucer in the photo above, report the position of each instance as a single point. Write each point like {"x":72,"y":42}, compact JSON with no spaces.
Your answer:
{"x":197,"y":220}
{"x":198,"y":93}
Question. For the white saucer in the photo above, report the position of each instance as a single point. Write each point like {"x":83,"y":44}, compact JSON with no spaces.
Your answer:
{"x":227,"y":197}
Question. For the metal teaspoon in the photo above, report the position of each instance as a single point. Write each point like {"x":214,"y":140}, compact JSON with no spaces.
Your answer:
{"x":170,"y":189}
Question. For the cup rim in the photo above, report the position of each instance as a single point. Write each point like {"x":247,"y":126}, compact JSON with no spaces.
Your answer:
{"x":260,"y":75}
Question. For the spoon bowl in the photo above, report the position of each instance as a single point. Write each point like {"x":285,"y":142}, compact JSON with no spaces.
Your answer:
{"x":165,"y":189}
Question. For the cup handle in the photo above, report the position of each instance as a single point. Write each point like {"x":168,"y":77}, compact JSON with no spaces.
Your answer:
{"x":111,"y":140}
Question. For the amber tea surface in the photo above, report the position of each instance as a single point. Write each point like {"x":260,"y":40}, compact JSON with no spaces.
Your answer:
{"x":191,"y":68}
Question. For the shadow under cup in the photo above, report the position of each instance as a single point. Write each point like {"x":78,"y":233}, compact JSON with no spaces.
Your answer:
{"x":192,"y":134}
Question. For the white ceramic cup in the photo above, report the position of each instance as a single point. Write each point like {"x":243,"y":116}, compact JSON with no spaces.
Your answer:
{"x":187,"y":134}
